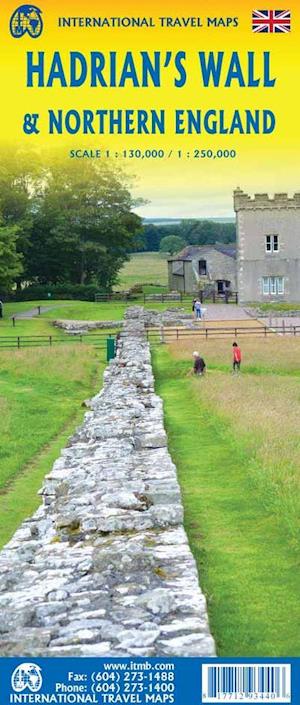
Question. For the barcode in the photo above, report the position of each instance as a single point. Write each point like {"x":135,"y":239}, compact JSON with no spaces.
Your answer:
{"x":246,"y":683}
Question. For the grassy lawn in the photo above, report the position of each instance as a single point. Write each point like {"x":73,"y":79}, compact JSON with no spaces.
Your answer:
{"x":89,"y":310}
{"x":278,"y":307}
{"x":41,"y":392}
{"x":144,"y":268}
{"x":29,"y":327}
{"x":72,"y":310}
{"x":33,"y":326}
{"x":235,"y":441}
{"x":42,"y":325}
{"x":107,"y":311}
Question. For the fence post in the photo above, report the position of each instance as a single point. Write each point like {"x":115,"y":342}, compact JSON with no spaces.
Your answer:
{"x":235,"y":332}
{"x":236,"y":298}
{"x":177,"y":333}
{"x":39,"y":310}
{"x":162,"y":335}
{"x":294,"y":330}
{"x":283,"y":326}
{"x":50,"y":340}
{"x":19,"y":342}
{"x":206,"y":333}
{"x":14,"y":321}
{"x":266,"y":331}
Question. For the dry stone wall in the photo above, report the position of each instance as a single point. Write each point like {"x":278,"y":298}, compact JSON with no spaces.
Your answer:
{"x":173,"y":316}
{"x":103,"y":568}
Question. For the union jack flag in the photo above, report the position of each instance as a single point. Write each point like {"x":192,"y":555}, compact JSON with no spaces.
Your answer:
{"x":271,"y":21}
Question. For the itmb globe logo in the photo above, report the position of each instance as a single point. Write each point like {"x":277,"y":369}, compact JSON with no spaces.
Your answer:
{"x":27,"y":675}
{"x":27,"y":19}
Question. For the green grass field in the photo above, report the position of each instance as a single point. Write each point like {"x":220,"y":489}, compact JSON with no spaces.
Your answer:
{"x":144,"y":268}
{"x":72,"y":310}
{"x":41,"y":392}
{"x":235,"y":441}
{"x":278,"y":307}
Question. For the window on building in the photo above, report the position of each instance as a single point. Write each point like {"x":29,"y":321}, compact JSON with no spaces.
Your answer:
{"x":202,"y":267}
{"x":280,"y":285}
{"x":266,"y":286}
{"x":273,"y":286}
{"x":272,"y":243}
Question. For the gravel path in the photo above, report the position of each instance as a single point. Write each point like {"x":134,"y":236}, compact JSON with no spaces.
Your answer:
{"x":225,"y":312}
{"x":33,"y":312}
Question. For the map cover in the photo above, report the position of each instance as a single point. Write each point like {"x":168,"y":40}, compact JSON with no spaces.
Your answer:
{"x":149,"y":352}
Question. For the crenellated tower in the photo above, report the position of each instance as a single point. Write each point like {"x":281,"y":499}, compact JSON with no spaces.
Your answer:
{"x":268,"y":246}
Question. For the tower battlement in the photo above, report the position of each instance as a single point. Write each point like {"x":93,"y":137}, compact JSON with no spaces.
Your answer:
{"x":242,"y":201}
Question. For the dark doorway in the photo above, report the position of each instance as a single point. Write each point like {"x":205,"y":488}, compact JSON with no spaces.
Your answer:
{"x":223,"y":286}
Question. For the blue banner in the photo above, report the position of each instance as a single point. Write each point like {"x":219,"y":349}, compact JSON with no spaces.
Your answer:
{"x":142,"y":681}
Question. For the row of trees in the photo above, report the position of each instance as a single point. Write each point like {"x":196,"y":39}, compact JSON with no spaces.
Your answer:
{"x":172,"y":238}
{"x":63,"y":221}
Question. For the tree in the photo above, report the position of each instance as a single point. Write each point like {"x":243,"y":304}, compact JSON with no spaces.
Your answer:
{"x":171,"y":244}
{"x":84,"y":225}
{"x":152,"y":237}
{"x":10,"y":260}
{"x":19,"y":172}
{"x":207,"y":232}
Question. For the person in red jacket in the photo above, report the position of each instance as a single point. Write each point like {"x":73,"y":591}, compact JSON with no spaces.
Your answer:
{"x":237,"y":357}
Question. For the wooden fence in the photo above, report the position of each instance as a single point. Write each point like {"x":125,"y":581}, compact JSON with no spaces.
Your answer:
{"x":18,"y":342}
{"x":214,"y":297}
{"x":125,"y":296}
{"x":170,"y":334}
{"x":154,"y":335}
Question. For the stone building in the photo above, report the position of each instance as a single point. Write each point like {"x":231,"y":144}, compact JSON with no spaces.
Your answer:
{"x":264,"y":267}
{"x":209,"y":267}
{"x":268,"y":247}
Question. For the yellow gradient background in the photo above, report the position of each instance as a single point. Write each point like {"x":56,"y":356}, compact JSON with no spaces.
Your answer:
{"x":186,"y":187}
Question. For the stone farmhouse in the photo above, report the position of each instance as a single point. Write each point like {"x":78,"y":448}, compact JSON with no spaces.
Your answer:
{"x":207,"y":268}
{"x":265,"y":264}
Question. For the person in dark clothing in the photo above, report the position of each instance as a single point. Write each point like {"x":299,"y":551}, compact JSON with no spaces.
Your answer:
{"x":199,"y":364}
